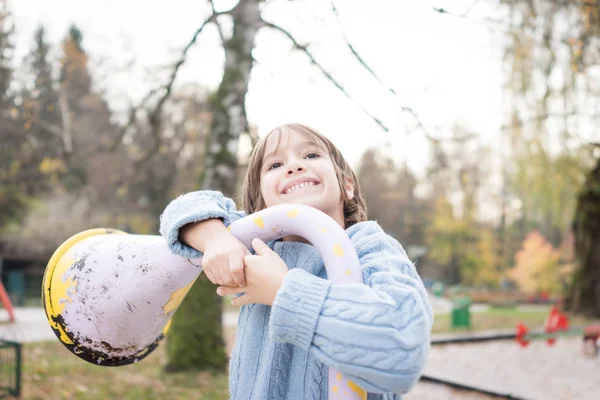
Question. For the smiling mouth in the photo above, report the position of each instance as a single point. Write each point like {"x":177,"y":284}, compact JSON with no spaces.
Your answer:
{"x":300,"y":186}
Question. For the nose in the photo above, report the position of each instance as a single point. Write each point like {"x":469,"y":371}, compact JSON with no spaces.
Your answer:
{"x":297,"y":169}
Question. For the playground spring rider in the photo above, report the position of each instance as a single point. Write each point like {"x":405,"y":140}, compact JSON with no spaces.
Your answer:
{"x":557,"y":325}
{"x":110,"y":296}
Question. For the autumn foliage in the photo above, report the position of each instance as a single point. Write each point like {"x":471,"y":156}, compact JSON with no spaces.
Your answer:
{"x":537,"y":265}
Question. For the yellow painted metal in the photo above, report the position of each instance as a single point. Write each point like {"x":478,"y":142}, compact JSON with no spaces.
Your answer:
{"x":55,"y":290}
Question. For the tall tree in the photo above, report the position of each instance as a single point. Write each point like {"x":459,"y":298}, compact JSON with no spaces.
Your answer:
{"x":459,"y":242}
{"x":22,"y":173}
{"x":75,"y":78}
{"x":375,"y":182}
{"x":584,"y":294}
{"x":85,"y":116}
{"x":389,"y":192}
{"x":46,"y":112}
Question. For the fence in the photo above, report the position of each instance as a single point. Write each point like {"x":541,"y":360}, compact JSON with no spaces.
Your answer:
{"x":10,"y":369}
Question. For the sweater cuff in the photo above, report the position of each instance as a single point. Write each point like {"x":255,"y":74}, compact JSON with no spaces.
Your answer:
{"x":172,"y":235}
{"x":297,"y":307}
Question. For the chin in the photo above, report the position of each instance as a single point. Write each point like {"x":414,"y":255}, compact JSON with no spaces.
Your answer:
{"x":307,"y":201}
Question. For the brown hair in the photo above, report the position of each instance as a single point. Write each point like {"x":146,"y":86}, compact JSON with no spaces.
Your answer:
{"x":355,"y":210}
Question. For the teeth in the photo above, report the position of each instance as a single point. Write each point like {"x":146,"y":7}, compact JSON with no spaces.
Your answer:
{"x":300,"y":186}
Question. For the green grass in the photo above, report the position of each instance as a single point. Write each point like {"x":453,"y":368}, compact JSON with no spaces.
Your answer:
{"x":50,"y":372}
{"x":504,"y":318}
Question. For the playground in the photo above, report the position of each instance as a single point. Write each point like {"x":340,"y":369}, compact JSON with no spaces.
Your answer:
{"x":536,"y":371}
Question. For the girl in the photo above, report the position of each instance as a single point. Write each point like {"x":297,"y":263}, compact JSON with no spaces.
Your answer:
{"x":294,"y":323}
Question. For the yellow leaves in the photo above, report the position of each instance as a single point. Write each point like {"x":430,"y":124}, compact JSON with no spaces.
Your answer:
{"x":122,"y":191}
{"x":590,"y":11}
{"x":51,"y":166}
{"x":487,"y":273}
{"x":536,"y":265}
{"x":73,"y":56}
{"x":15,"y":167}
{"x":463,"y":240}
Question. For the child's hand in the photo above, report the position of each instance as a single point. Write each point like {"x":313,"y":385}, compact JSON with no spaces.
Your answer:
{"x":223,"y":260}
{"x":264,"y":275}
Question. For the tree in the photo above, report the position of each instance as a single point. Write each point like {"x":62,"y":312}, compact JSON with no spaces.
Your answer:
{"x":412,"y":212}
{"x":44,"y":97}
{"x":75,"y":79}
{"x":389,"y":192}
{"x":40,"y":111}
{"x":537,"y":265}
{"x":374,"y":180}
{"x":17,"y":158}
{"x":460,"y":242}
{"x":584,"y":293}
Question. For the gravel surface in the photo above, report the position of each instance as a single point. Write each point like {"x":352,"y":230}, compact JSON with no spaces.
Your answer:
{"x":431,"y":391}
{"x":536,"y":372}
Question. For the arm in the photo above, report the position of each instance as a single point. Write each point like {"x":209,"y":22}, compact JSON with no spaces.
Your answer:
{"x":177,"y":223}
{"x":377,"y":334}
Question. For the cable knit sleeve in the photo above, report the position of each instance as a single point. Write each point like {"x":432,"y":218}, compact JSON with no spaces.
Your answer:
{"x":195,"y":207}
{"x":377,"y":334}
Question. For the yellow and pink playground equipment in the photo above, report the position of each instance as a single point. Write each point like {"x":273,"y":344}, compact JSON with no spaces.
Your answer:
{"x":109,"y":296}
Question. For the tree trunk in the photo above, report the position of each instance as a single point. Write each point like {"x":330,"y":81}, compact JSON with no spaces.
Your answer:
{"x":584,"y":294}
{"x":195,"y":340}
{"x":227,"y":105}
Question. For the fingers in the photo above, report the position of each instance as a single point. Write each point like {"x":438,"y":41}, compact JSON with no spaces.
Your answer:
{"x":236,"y":266}
{"x":209,"y":274}
{"x":260,"y":247}
{"x":228,"y":273}
{"x":236,"y":301}
{"x":241,"y":301}
{"x":228,"y":290}
{"x":223,"y":276}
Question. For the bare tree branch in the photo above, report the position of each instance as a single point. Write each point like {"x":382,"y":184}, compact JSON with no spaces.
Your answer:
{"x":51,"y":128}
{"x":464,"y":14}
{"x":132,"y":119}
{"x":313,"y":60}
{"x":545,"y":116}
{"x":219,"y":27}
{"x":355,"y":53}
{"x":155,"y":115}
{"x":363,"y":63}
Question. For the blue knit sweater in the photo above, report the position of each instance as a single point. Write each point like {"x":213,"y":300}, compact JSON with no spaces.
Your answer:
{"x":377,"y":334}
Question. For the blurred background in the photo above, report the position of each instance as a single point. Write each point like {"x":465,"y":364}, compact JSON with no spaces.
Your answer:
{"x":473,"y":127}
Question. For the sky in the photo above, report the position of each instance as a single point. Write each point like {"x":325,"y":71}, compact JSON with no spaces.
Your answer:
{"x":447,"y":69}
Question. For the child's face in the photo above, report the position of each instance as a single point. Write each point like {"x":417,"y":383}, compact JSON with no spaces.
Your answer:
{"x":299,"y":170}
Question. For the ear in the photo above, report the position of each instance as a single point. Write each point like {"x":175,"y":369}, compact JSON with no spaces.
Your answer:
{"x":349,"y":188}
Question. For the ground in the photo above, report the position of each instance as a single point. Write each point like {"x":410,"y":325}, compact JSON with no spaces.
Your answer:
{"x":536,"y":372}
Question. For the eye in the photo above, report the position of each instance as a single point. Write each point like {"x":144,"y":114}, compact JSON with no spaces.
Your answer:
{"x":312,"y":154}
{"x":273,"y":165}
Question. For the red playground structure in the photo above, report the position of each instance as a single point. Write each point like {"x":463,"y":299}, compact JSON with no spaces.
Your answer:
{"x":6,"y":303}
{"x":556,"y":325}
